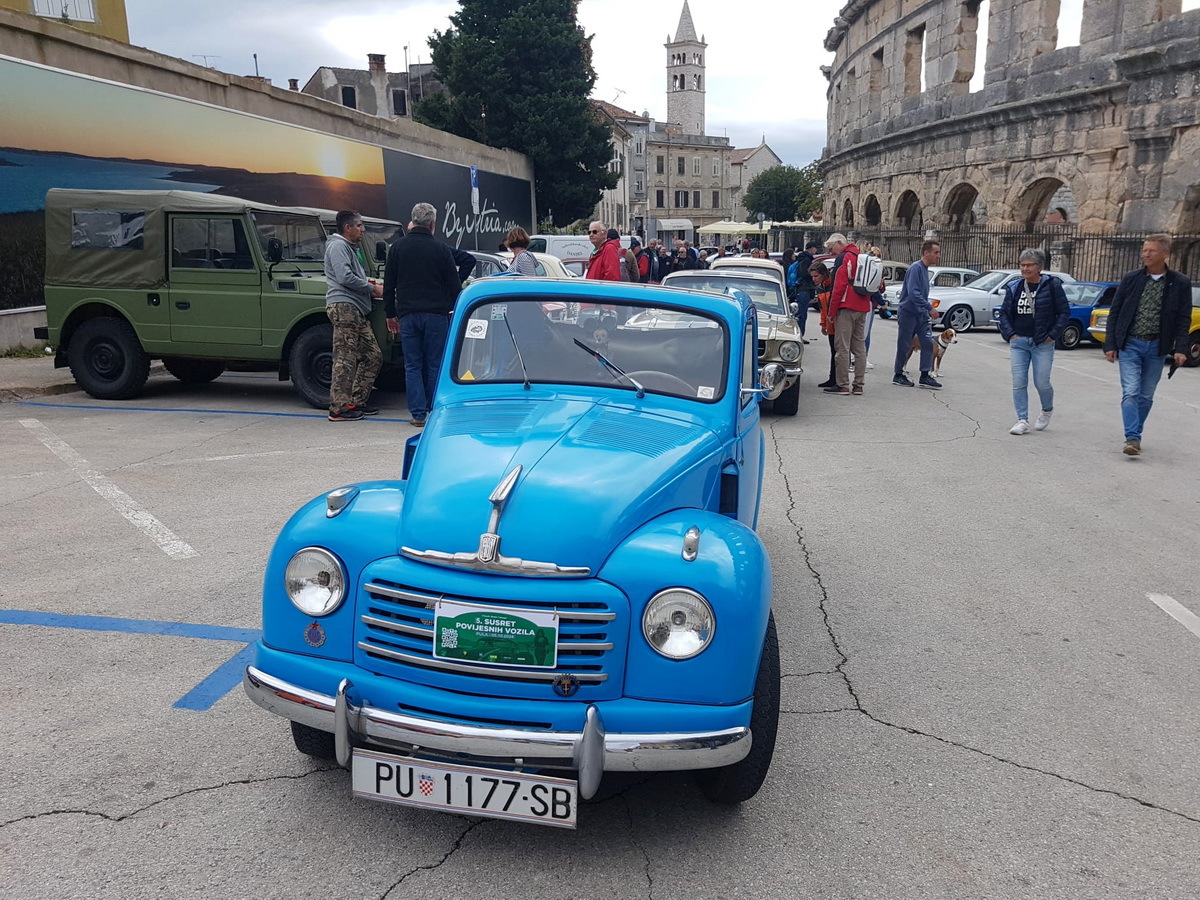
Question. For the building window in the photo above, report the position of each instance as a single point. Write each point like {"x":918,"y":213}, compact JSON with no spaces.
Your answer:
{"x":696,"y":199}
{"x":349,"y":98}
{"x":637,"y":147}
{"x":680,"y":165}
{"x":696,"y":166}
{"x":73,"y":10}
{"x":658,"y":165}
{"x":914,"y":62}
{"x":716,"y":166}
{"x":716,"y":199}
{"x":983,"y":18}
{"x":658,"y":199}
{"x":399,"y":103}
{"x":681,"y":199}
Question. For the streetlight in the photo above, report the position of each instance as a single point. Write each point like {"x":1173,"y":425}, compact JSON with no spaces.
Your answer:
{"x":407,"y":84}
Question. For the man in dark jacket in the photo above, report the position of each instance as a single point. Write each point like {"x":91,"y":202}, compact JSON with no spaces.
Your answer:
{"x":420,"y":285}
{"x":1149,"y":320}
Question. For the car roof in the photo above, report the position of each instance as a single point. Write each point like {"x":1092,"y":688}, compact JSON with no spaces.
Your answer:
{"x":710,"y":273}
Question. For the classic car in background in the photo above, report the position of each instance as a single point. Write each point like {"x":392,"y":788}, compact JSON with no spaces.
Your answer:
{"x":1083,"y":297}
{"x":939,"y":277}
{"x":970,"y":306}
{"x":1100,"y":323}
{"x":564,"y":580}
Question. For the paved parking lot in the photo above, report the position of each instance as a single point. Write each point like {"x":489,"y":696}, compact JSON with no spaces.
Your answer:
{"x":990,"y":648}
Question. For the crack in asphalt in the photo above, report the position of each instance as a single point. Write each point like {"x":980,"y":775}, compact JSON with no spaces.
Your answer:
{"x":109,"y":817}
{"x":937,"y":395}
{"x":633,"y":831}
{"x":429,"y":867}
{"x":861,"y":709}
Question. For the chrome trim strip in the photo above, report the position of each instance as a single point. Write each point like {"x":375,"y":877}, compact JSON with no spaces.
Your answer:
{"x":428,"y":662}
{"x":567,"y":749}
{"x":400,"y":628}
{"x":429,"y":600}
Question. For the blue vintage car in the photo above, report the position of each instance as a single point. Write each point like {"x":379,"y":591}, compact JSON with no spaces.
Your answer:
{"x":563,"y":581}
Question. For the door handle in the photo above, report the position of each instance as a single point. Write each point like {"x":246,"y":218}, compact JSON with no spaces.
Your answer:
{"x":182,"y":304}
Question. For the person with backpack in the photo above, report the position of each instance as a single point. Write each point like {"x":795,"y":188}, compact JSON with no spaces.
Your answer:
{"x":642,"y":258}
{"x":849,"y":310}
{"x":798,"y":275}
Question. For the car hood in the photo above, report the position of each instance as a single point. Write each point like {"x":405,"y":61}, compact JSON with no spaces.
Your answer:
{"x":591,"y":473}
{"x":963,"y":295}
{"x":777,"y":327}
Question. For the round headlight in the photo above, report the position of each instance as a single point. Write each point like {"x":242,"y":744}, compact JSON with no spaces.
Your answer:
{"x":789,"y":351}
{"x":678,"y":623}
{"x":314,"y":581}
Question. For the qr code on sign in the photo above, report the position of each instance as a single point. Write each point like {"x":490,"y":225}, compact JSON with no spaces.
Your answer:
{"x":449,"y":638}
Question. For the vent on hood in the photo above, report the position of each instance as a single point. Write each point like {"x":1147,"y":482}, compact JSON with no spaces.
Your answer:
{"x":641,"y":434}
{"x":486,"y":418}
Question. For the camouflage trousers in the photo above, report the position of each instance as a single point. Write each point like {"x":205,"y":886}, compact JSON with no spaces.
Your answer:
{"x":356,"y":357}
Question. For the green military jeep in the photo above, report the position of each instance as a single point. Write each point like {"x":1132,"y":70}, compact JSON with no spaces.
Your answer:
{"x":198,"y":280}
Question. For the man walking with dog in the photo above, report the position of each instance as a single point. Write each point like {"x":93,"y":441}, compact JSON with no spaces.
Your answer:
{"x":1149,"y":320}
{"x":915,"y":319}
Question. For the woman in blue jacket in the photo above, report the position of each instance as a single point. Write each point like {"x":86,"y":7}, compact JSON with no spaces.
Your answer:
{"x":1032,"y":317}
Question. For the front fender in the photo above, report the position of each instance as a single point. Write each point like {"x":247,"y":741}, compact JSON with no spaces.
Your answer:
{"x":363,"y":532}
{"x":731,"y":571}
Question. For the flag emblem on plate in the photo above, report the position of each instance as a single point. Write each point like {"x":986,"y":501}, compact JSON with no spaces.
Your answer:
{"x":426,"y":784}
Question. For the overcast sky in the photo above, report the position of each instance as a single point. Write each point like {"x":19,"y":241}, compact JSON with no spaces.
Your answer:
{"x":763,"y":60}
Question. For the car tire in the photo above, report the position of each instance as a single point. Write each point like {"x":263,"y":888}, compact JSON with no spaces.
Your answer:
{"x":194,"y":371}
{"x":1193,"y":351}
{"x":314,"y":743}
{"x":741,"y":781}
{"x":1071,"y":337}
{"x":788,"y":403}
{"x":107,"y":359}
{"x":391,"y":379}
{"x":311,"y":365}
{"x":960,"y":318}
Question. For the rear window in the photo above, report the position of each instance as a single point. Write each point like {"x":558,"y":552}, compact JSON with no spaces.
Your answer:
{"x":107,"y":229}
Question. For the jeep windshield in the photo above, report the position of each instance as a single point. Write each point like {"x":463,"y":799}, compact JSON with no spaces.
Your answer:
{"x":673,"y":351}
{"x":302,"y":236}
{"x":766,"y":293}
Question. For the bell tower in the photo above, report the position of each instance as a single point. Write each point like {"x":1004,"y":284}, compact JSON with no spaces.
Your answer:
{"x":685,"y":76}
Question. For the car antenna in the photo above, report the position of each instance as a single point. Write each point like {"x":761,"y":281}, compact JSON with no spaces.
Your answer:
{"x":520,"y":358}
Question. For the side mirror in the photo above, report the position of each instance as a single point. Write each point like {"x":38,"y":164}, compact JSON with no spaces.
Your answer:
{"x":795,"y":307}
{"x":274,"y":250}
{"x":380,"y":251}
{"x":770,"y":379}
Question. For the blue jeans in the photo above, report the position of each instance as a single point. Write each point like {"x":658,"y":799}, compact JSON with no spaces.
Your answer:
{"x":803,"y":298}
{"x":910,"y":324}
{"x":1141,"y":367}
{"x":423,"y":340}
{"x":1042,"y":357}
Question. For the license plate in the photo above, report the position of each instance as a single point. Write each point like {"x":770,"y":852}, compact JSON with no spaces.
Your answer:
{"x":509,"y":637}
{"x":493,"y":793}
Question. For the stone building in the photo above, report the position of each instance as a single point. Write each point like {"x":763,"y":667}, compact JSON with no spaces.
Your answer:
{"x":744,"y":165}
{"x":103,"y":17}
{"x":948,"y":114}
{"x":613,"y":208}
{"x":374,"y":90}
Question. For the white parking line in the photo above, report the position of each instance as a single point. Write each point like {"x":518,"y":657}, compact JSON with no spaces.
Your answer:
{"x":1178,"y":612}
{"x":122,"y":502}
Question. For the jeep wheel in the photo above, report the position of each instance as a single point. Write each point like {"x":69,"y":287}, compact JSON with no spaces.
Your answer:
{"x":787,"y":403}
{"x":741,"y":781}
{"x":314,"y":743}
{"x":194,"y":371}
{"x":390,"y":378}
{"x":107,"y":360}
{"x":311,"y":365}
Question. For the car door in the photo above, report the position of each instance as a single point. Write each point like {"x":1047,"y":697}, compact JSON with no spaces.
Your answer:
{"x":747,"y":456}
{"x":215,"y":289}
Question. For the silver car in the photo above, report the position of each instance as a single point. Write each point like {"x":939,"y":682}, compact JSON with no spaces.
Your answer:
{"x":971,"y":305}
{"x":939,"y":276}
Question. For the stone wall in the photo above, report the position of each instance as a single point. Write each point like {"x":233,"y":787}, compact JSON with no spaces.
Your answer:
{"x":1107,"y":131}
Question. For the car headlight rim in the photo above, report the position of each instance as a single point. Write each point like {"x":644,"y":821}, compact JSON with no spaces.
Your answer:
{"x":315,"y":581}
{"x":789,"y":351}
{"x":679,"y":623}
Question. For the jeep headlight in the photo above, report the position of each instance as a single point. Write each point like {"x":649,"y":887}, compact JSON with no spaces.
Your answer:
{"x":789,"y":351}
{"x":678,"y":623}
{"x":315,"y":581}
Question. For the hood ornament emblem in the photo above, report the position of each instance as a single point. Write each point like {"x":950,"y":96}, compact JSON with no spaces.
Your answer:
{"x":488,"y":558}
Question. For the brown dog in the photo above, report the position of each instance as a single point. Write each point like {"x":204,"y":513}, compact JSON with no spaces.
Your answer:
{"x":941,"y":343}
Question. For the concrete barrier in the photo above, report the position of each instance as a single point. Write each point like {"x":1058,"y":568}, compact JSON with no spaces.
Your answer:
{"x":16,"y":326}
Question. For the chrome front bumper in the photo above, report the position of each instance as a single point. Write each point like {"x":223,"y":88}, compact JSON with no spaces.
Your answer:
{"x":591,"y":752}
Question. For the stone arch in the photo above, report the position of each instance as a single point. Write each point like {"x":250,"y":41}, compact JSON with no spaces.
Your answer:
{"x":964,"y":207}
{"x":872,"y":214}
{"x":1189,"y":214}
{"x":848,"y":213}
{"x":1032,"y":206}
{"x":908,"y":212}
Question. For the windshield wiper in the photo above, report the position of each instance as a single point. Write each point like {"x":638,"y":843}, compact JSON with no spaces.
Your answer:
{"x":611,"y":366}
{"x":520,"y":358}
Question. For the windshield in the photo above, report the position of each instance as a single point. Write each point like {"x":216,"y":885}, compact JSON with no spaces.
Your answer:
{"x":302,"y":237}
{"x":379,"y":231}
{"x":682,"y":353}
{"x":767,"y":295}
{"x":989,"y":281}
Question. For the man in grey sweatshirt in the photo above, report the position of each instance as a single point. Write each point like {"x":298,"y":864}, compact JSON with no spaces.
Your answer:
{"x":356,"y":354}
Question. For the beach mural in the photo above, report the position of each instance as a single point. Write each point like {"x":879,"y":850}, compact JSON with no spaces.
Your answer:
{"x":61,"y":129}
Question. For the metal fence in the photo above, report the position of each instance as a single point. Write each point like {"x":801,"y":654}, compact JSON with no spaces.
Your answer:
{"x":1088,"y":257}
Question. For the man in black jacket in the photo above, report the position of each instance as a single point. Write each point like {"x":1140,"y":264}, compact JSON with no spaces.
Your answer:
{"x":420,"y":285}
{"x":1149,"y":320}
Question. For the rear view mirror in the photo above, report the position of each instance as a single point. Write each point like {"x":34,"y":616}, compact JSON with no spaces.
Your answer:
{"x":380,"y":251}
{"x":274,"y":250}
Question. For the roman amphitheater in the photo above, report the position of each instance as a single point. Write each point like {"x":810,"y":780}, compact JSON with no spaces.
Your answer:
{"x":999,"y":117}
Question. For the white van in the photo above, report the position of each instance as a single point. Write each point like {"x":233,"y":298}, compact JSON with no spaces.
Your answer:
{"x":567,"y":246}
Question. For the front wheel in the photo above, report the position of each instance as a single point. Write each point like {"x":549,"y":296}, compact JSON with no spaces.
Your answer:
{"x":194,"y":371}
{"x":960,"y":318}
{"x":107,"y":359}
{"x":1193,"y":350}
{"x":741,"y":781}
{"x":1071,"y":337}
{"x":788,"y":403}
{"x":311,"y":365}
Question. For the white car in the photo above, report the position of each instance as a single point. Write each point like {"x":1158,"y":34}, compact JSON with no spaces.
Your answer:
{"x":971,"y":305}
{"x":939,"y":276}
{"x":750,"y":264}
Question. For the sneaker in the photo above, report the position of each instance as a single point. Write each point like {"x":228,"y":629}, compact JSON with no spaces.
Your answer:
{"x":368,"y":410}
{"x":902,"y":380}
{"x":1022,"y":427}
{"x":870,"y":365}
{"x":845,"y":391}
{"x":827,"y":384}
{"x":928,"y":381}
{"x":856,"y":390}
{"x":350,"y":414}
{"x":1043,"y":421}
{"x":1133,"y":447}
{"x":417,"y":422}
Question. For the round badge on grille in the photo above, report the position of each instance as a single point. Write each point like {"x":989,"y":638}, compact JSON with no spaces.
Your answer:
{"x":565,"y":684}
{"x":314,"y":634}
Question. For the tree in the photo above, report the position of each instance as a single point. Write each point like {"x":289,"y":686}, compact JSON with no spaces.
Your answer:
{"x":783,"y":193}
{"x":518,"y":74}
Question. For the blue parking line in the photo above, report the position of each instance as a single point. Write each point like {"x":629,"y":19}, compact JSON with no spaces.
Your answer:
{"x":224,"y":679}
{"x":211,"y":412}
